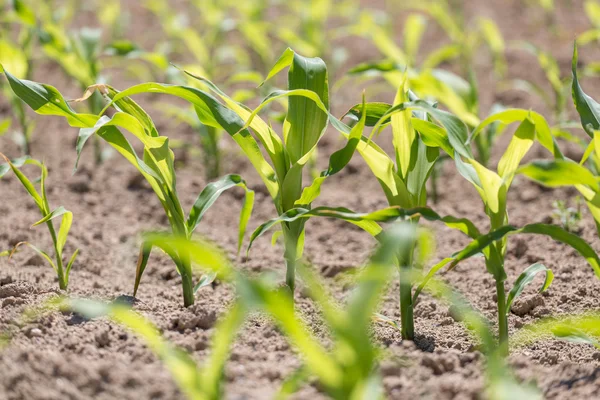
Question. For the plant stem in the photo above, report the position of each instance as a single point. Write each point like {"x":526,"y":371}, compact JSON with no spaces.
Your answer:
{"x":406,"y":302}
{"x":184,"y":265}
{"x":289,"y":256}
{"x":62,"y":280}
{"x":188,"y":290}
{"x":502,"y":319}
{"x":291,"y":237}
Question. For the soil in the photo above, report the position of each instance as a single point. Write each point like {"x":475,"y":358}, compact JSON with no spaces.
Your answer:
{"x":57,"y":356}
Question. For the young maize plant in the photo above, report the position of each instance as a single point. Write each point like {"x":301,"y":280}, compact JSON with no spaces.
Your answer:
{"x":59,"y":239}
{"x":305,"y":123}
{"x":306,"y":120}
{"x":417,"y":141}
{"x":460,"y":96}
{"x":565,"y":172}
{"x":156,"y":165}
{"x":493,"y":187}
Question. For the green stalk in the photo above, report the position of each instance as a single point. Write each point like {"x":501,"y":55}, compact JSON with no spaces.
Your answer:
{"x":62,"y":282}
{"x":96,"y":106}
{"x":185,"y":269}
{"x":291,"y":237}
{"x":502,"y":319}
{"x":406,"y":302}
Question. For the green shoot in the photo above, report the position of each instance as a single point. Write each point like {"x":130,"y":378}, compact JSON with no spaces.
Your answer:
{"x":40,"y":198}
{"x":493,"y":187}
{"x":156,"y":165}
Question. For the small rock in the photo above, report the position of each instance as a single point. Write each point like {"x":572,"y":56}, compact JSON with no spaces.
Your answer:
{"x":526,"y":304}
{"x":389,"y":368}
{"x":80,"y":185}
{"x":35,"y":260}
{"x":13,"y":301}
{"x":273,"y":374}
{"x":35,"y":332}
{"x":447,"y":321}
{"x":102,"y":339}
{"x":528,"y":194}
{"x":12,"y":290}
{"x":201,"y":344}
{"x":6,"y":280}
{"x":433,"y":364}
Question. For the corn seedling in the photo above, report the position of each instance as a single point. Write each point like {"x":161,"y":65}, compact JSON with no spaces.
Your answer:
{"x":59,"y":239}
{"x":565,"y":172}
{"x":493,"y":187}
{"x":427,"y":79}
{"x":306,"y":120}
{"x":156,"y":165}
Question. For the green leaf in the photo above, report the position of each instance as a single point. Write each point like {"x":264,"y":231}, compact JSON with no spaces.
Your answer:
{"x":372,"y":111}
{"x":403,"y":134}
{"x":588,"y":108}
{"x":70,"y":265}
{"x":144,"y":255}
{"x":27,"y":184}
{"x":63,"y":232}
{"x":13,"y":59}
{"x":211,"y":193}
{"x":337,"y":161}
{"x":495,"y":41}
{"x":306,"y":121}
{"x":525,"y":279}
{"x":25,"y":13}
{"x":483,"y":241}
{"x":518,"y":147}
{"x":554,"y":173}
{"x":414,"y":27}
{"x":39,"y":251}
{"x":456,"y":129}
{"x":205,"y":281}
{"x":4,"y":126}
{"x":56,"y":213}
{"x":367,"y":221}
{"x":505,"y":117}
{"x":204,"y":254}
{"x":583,"y":328}
{"x":46,"y":100}
{"x":213,"y":113}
